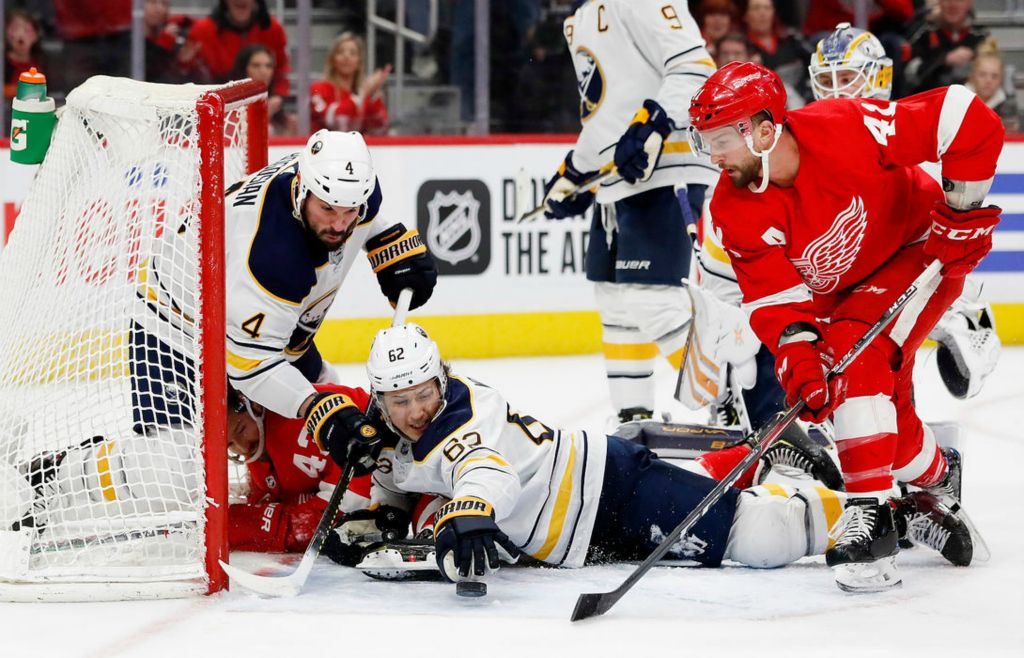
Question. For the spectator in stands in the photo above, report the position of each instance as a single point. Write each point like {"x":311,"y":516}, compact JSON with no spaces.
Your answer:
{"x":169,"y":58}
{"x":21,"y":51}
{"x":232,"y":25}
{"x":347,"y":98}
{"x":734,"y":47}
{"x":716,"y":19}
{"x":546,"y":76}
{"x":97,"y":40}
{"x":986,"y":80}
{"x":781,"y":50}
{"x":943,"y":51}
{"x":256,"y":61}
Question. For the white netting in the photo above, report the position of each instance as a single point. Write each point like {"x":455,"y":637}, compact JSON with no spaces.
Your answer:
{"x":100,"y":393}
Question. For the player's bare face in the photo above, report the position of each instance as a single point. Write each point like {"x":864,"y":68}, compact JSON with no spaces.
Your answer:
{"x":729,"y":153}
{"x":412,"y":409}
{"x":243,"y":434}
{"x":332,"y":224}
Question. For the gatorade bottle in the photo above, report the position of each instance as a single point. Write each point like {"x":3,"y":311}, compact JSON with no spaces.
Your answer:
{"x":32,"y":119}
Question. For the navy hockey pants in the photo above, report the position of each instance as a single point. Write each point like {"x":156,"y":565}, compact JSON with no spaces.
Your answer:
{"x":644,"y":498}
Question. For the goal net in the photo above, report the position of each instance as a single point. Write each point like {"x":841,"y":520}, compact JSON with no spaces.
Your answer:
{"x":112,"y":381}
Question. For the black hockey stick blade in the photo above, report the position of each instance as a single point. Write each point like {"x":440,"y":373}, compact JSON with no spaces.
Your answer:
{"x":591,"y":605}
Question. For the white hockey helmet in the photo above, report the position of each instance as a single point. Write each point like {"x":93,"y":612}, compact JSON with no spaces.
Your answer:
{"x":336,"y":167}
{"x":401,"y":357}
{"x":850,"y":63}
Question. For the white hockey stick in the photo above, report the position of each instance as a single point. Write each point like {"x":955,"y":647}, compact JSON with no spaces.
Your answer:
{"x":291,"y":584}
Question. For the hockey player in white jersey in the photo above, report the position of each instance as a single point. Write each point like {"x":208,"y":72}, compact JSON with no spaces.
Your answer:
{"x":637,"y":63}
{"x":293,"y":231}
{"x":561,"y":496}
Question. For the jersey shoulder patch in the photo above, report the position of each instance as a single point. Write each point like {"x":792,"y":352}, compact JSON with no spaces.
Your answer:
{"x":283,"y":257}
{"x":459,"y":410}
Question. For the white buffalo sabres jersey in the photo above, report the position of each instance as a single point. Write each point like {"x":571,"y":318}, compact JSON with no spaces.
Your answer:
{"x":543,"y":483}
{"x":280,"y":283}
{"x":625,"y":52}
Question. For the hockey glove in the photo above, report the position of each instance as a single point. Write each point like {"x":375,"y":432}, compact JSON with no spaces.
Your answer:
{"x":960,"y":238}
{"x":640,"y":146}
{"x":467,"y":539}
{"x":801,"y":366}
{"x":401,"y":260}
{"x":559,"y":199}
{"x":348,"y":542}
{"x":338,"y":426}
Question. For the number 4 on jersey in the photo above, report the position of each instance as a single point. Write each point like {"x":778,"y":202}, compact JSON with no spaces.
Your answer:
{"x":881,"y":129}
{"x":252,"y":325}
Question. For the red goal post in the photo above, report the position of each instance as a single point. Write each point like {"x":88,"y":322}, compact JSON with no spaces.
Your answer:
{"x":113,"y":447}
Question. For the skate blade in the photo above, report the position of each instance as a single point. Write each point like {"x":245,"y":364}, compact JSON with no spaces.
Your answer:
{"x":981,"y":550}
{"x":864,"y":577}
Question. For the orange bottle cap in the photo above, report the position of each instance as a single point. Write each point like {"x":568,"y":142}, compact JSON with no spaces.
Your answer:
{"x":32,"y":76}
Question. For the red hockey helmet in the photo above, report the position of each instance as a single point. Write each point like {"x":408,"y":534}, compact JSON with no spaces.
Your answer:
{"x":736,"y":92}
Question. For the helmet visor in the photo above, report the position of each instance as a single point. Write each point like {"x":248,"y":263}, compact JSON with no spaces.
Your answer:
{"x":716,"y":141}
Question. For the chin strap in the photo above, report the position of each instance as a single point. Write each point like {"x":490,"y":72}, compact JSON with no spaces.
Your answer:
{"x":259,"y":424}
{"x":749,"y":140}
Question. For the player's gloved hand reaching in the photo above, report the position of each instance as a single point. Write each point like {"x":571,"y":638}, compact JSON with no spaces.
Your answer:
{"x":801,"y":366}
{"x":466,"y":539}
{"x":559,"y":201}
{"x":960,"y":238}
{"x":338,"y":426}
{"x":358,"y":531}
{"x":401,"y":260}
{"x":640,"y":146}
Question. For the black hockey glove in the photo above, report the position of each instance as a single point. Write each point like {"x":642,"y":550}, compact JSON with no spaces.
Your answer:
{"x":559,"y":202}
{"x":338,"y":426}
{"x":640,"y":146}
{"x":360,"y":530}
{"x":466,"y":531}
{"x":401,"y":260}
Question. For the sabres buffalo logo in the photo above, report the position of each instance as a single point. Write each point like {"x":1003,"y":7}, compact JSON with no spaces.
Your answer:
{"x":590,"y":80}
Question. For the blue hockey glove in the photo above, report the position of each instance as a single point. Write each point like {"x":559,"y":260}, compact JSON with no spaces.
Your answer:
{"x":466,"y":539}
{"x":640,"y":146}
{"x":559,"y":202}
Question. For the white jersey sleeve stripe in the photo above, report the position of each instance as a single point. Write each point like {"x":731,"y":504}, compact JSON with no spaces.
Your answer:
{"x":557,"y":523}
{"x":954,"y":108}
{"x":794,"y":295}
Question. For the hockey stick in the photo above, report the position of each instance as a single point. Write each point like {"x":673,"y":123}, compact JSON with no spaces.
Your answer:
{"x":603,"y":174}
{"x":291,"y":584}
{"x":589,"y":605}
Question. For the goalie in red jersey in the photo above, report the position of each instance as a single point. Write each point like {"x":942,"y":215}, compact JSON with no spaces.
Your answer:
{"x":827,"y":219}
{"x":290,"y":482}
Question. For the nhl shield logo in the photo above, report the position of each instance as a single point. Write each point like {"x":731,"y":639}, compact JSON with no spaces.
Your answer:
{"x":453,"y":229}
{"x":454,"y":218}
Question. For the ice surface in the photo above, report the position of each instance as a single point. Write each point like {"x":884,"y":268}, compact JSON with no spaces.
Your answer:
{"x":795,"y":611}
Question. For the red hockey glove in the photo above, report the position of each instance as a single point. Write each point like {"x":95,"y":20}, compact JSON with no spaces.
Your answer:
{"x":961,"y":238}
{"x":801,"y":367}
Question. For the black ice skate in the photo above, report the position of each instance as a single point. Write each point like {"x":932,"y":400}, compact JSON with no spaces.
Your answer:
{"x":635,"y":413}
{"x":863,"y":558}
{"x":948,"y":489}
{"x":922,"y":519}
{"x":795,"y":450}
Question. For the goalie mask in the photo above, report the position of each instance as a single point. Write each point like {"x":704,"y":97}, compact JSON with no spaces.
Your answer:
{"x":336,"y":168}
{"x":850,"y":63}
{"x":402,"y":357}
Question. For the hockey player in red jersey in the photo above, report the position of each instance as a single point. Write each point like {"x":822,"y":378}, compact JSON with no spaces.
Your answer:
{"x":827,"y":219}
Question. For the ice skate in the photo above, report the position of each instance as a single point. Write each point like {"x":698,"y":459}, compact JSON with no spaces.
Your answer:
{"x":863,"y":559}
{"x":794,"y":450}
{"x":922,"y":519}
{"x":411,"y":559}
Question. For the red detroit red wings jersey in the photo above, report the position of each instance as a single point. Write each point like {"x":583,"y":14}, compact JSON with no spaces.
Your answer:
{"x":289,"y":490}
{"x":858,"y":198}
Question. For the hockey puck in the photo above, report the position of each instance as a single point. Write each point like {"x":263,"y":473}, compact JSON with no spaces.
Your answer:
{"x":471,"y":588}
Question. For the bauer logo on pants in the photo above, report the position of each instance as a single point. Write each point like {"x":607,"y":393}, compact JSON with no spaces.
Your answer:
{"x":454,"y":217}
